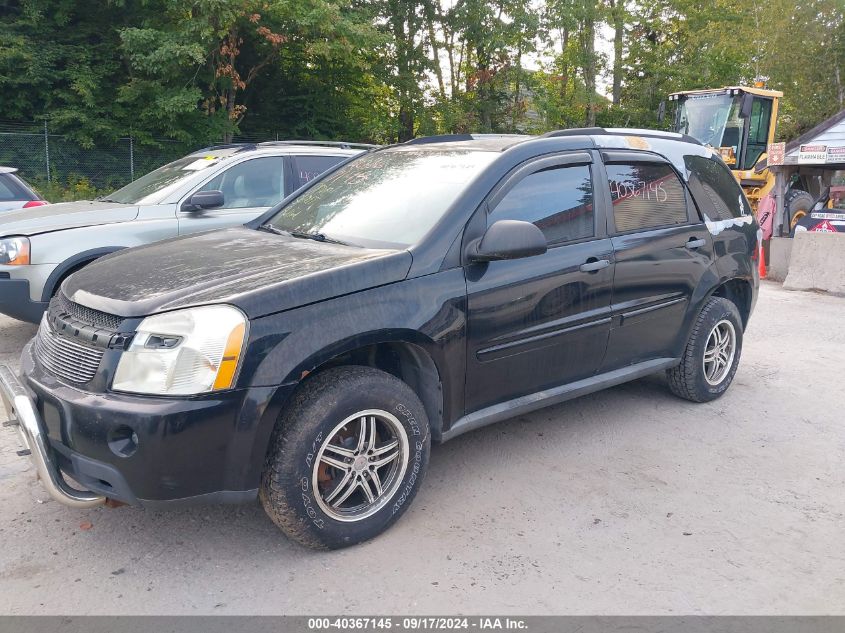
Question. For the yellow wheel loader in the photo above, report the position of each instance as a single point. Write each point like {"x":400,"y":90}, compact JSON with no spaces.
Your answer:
{"x":739,"y":122}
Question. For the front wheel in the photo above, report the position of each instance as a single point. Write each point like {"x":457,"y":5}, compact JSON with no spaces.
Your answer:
{"x":712,"y":354}
{"x":347,"y":458}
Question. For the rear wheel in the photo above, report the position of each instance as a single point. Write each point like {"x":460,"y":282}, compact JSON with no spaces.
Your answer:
{"x":347,"y":458}
{"x":798,"y":204}
{"x":712,"y":354}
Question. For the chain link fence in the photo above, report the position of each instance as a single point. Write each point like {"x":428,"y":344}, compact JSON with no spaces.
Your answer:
{"x":63,"y":170}
{"x":60,"y":169}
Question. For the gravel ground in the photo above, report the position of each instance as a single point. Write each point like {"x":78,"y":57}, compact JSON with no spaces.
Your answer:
{"x":628,"y":501}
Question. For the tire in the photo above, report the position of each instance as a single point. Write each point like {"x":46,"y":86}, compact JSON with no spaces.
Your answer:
{"x":695,"y":378}
{"x":316,"y":493}
{"x":798,"y":204}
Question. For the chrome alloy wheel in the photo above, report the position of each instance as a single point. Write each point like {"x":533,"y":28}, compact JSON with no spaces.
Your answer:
{"x":360,"y":465}
{"x":719,"y":352}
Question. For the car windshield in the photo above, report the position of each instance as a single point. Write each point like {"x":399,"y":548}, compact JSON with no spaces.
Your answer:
{"x":387,"y":199}
{"x":150,"y":189}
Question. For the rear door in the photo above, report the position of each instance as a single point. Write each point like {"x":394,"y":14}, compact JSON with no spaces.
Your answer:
{"x":541,"y":321}
{"x":249,"y":189}
{"x":662,"y":249}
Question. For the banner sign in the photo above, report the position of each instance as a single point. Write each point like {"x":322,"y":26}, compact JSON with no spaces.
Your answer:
{"x":836,"y":154}
{"x":812,"y":154}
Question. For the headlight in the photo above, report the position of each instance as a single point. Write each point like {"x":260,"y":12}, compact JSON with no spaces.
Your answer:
{"x":184,"y":352}
{"x":14,"y":251}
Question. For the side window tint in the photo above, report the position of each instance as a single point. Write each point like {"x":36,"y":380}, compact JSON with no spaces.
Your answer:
{"x":723,"y":197}
{"x":309,"y":167}
{"x":259,"y":182}
{"x":645,"y":196}
{"x":558,"y":200}
{"x":6,"y":192}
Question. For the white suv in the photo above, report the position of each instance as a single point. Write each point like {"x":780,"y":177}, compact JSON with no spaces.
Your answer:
{"x":217,"y":187}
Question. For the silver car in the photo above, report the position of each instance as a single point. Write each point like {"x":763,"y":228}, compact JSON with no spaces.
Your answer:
{"x":15,"y":193}
{"x":213,"y":188}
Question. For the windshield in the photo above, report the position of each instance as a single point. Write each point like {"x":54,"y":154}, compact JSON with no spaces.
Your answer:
{"x":388,"y":199}
{"x":715,"y":120}
{"x":149,"y":189}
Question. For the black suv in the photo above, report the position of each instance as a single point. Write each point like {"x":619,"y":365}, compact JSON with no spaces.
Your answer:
{"x":410,"y":295}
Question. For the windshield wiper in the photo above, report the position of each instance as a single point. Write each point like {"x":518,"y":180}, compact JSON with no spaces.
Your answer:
{"x":273,"y":229}
{"x":317,"y":237}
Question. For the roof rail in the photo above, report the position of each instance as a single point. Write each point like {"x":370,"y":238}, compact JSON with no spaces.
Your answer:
{"x":578,"y":131}
{"x":338,"y":144}
{"x":457,"y":138}
{"x":623,"y":131}
{"x":439,"y":138}
{"x":241,"y":147}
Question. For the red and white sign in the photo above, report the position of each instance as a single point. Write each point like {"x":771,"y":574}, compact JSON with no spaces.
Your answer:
{"x":824,"y":227}
{"x":812,"y":154}
{"x":776,"y":153}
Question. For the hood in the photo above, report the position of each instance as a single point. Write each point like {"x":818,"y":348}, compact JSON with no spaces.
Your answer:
{"x":259,"y":272}
{"x":65,"y":215}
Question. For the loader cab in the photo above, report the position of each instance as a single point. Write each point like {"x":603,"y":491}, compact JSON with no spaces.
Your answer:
{"x":738,"y":122}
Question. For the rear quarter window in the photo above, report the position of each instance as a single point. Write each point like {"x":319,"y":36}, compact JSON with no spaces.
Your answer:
{"x":716,"y":191}
{"x":11,"y":189}
{"x":309,"y":167}
{"x":646,"y":196}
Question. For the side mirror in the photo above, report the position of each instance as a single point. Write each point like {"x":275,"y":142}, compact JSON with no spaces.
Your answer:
{"x":508,"y":239}
{"x":204,"y":200}
{"x":661,"y":112}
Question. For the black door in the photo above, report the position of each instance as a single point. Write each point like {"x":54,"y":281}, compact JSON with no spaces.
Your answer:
{"x":662,"y":249}
{"x":541,"y":321}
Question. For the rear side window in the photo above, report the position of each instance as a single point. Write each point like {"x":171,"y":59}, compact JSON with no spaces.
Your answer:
{"x":716,"y":190}
{"x":309,"y":167}
{"x":559,"y":201}
{"x":646,"y":196}
{"x":10,"y":189}
{"x":6,"y":192}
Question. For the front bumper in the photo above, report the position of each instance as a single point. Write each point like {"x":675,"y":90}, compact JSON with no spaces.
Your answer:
{"x":15,"y":301}
{"x":22,"y":414}
{"x":207,"y":449}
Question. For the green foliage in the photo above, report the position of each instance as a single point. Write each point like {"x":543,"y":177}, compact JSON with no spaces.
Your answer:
{"x":202,"y":71}
{"x":75,"y":187}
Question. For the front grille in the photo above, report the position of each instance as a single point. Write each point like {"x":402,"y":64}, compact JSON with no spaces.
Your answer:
{"x":86,"y":315}
{"x":65,"y":358}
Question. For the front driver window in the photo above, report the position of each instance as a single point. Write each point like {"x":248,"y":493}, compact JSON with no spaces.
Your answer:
{"x":259,"y":182}
{"x":558,"y":200}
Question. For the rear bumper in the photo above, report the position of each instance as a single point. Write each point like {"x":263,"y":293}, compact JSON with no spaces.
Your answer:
{"x":15,"y":301}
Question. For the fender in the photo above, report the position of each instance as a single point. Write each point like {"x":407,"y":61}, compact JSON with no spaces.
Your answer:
{"x":350,"y":344}
{"x":428,"y":312}
{"x":85,"y":257}
{"x":275,"y":399}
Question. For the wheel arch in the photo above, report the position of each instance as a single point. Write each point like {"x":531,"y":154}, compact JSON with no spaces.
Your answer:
{"x":407,"y":355}
{"x":738,"y":291}
{"x":71,"y":265}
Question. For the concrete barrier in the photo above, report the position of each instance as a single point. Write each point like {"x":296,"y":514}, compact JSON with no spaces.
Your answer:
{"x":817,"y":263}
{"x":780,"y":252}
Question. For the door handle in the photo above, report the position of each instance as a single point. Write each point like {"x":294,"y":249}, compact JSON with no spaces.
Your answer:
{"x":593,"y":265}
{"x":693,"y":243}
